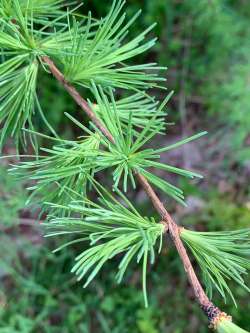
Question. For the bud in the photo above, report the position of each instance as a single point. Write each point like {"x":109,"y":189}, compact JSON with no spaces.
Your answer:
{"x":224,"y":324}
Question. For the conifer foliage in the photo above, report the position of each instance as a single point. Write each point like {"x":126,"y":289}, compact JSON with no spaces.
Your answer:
{"x":95,"y":55}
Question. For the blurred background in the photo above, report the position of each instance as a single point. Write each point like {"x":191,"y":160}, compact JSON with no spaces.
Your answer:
{"x":206,"y":46}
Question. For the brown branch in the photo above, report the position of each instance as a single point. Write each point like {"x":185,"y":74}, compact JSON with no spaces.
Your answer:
{"x":77,"y":97}
{"x":173,"y":229}
{"x":174,"y":232}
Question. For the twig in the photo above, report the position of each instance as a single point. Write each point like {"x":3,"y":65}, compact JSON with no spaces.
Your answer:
{"x":173,"y":229}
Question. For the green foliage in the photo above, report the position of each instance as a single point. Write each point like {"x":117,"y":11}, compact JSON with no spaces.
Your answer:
{"x":35,"y":8}
{"x":37,"y":295}
{"x":89,"y":50}
{"x":222,"y":256}
{"x":18,"y":91}
{"x":216,"y":80}
{"x":18,"y":36}
{"x":96,"y":58}
{"x":121,"y":229}
{"x":67,"y":32}
{"x":127,"y":153}
{"x":18,"y":75}
{"x":141,"y":112}
{"x":70,"y":162}
{"x":66,"y":167}
{"x":142,"y":109}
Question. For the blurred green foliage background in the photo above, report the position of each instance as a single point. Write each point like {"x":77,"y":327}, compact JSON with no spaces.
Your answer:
{"x":206,"y":46}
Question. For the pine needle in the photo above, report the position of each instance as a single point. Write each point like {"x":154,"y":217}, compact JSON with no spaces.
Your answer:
{"x":112,"y":227}
{"x":222,"y":256}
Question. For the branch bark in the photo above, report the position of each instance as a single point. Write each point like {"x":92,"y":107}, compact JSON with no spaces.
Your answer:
{"x":207,"y":306}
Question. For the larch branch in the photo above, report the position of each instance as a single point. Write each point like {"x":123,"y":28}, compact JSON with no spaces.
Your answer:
{"x":173,"y":229}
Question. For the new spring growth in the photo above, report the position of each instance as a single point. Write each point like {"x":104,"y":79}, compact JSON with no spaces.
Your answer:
{"x":222,"y":256}
{"x":224,"y":324}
